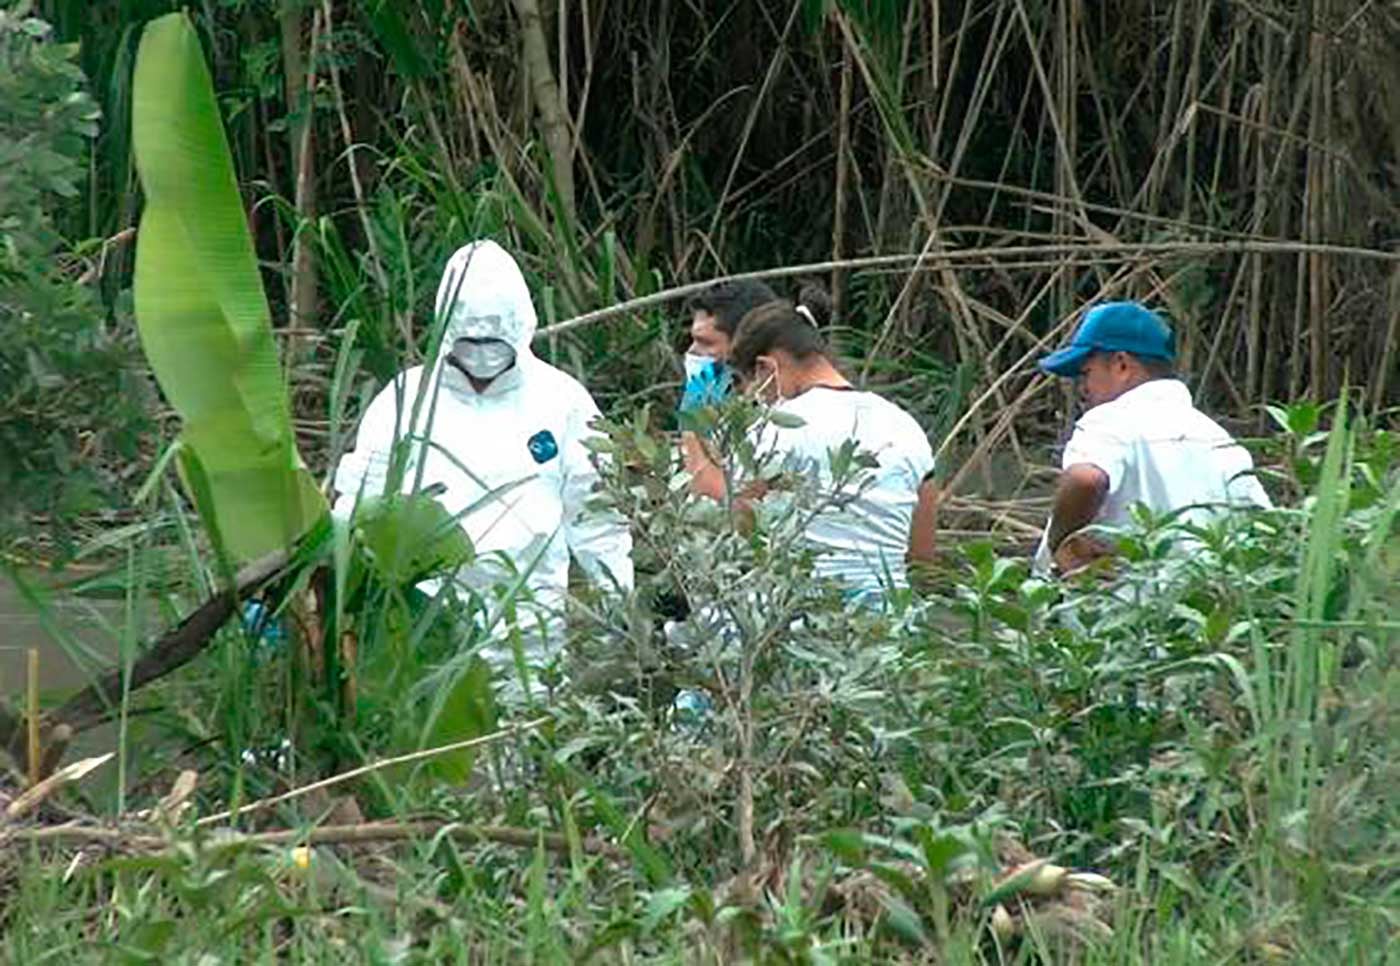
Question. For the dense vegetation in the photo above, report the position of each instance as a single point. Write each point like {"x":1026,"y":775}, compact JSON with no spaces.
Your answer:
{"x":1215,"y":733}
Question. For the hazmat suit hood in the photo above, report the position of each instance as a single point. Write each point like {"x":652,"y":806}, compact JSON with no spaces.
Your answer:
{"x":483,"y":295}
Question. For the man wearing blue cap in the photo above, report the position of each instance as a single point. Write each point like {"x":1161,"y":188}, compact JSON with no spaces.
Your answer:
{"x":1140,"y":440}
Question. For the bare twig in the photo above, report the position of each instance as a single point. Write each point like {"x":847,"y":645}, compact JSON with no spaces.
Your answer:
{"x":35,"y":795}
{"x":266,"y":803}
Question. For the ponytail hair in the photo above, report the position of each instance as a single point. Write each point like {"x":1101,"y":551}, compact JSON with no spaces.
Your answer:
{"x":795,"y":328}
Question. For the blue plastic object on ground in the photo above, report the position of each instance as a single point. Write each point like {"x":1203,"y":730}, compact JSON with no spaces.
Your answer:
{"x":268,"y":634}
{"x":692,"y":712}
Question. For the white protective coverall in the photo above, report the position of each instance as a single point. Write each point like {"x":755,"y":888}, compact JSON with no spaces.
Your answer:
{"x":521,"y":439}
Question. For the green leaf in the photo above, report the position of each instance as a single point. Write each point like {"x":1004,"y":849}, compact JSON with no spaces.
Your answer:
{"x":846,"y":844}
{"x":786,"y":420}
{"x":392,"y":31}
{"x":464,"y":711}
{"x":662,"y":904}
{"x":899,"y":880}
{"x":904,"y":921}
{"x":409,"y":537}
{"x":149,"y":939}
{"x":200,"y":307}
{"x":939,"y":850}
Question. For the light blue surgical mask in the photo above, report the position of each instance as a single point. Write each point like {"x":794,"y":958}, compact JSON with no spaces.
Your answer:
{"x":696,"y":364}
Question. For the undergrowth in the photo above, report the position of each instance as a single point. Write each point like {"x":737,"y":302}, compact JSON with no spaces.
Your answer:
{"x":1214,"y":731}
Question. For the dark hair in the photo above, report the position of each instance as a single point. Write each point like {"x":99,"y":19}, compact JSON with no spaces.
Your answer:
{"x":780,"y":325}
{"x":729,"y":301}
{"x":1157,"y":367}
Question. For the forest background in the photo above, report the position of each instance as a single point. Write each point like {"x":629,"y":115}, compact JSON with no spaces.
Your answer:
{"x":963,"y":176}
{"x":1233,"y":163}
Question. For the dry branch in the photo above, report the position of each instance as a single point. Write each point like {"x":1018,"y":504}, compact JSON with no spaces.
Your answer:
{"x":266,"y":803}
{"x":956,"y":258}
{"x":128,"y":839}
{"x":35,"y":795}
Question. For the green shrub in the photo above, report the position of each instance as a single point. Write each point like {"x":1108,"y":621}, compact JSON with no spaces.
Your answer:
{"x":73,"y":409}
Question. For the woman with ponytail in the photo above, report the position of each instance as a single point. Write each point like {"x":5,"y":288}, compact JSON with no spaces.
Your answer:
{"x":865,"y":538}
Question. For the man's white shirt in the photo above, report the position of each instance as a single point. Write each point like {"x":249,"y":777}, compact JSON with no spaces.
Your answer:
{"x":1158,"y":449}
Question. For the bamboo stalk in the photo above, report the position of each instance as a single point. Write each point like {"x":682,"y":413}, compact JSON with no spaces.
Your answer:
{"x":299,"y":73}
{"x":1318,"y":196}
{"x":31,"y":718}
{"x":956,"y":257}
{"x":843,"y":151}
{"x":1254,"y":325}
{"x":1166,"y":120}
{"x":549,"y":103}
{"x":1191,"y":99}
{"x":1066,"y":129}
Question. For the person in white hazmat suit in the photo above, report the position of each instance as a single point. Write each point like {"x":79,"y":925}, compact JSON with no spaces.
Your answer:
{"x":502,"y":443}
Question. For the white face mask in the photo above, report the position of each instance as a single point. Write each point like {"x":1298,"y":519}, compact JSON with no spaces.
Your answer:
{"x":483,"y":358}
{"x":696,"y":364}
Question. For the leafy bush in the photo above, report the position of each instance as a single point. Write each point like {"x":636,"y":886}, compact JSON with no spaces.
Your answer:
{"x":73,"y":409}
{"x":1213,"y":731}
{"x":1192,"y":720}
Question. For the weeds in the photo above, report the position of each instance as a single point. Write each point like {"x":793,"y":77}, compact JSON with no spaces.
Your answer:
{"x":1214,"y":735}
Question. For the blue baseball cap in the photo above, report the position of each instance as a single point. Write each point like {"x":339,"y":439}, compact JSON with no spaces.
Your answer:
{"x":1113,"y":327}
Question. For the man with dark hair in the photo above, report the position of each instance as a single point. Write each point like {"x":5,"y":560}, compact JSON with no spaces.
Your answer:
{"x":716,"y":312}
{"x":714,"y":315}
{"x":1140,"y":440}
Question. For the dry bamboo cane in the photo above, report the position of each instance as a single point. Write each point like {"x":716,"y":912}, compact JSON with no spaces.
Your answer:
{"x":122,"y":838}
{"x":843,"y":142}
{"x":956,"y":257}
{"x":32,"y":716}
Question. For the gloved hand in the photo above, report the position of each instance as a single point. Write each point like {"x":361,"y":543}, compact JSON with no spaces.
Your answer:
{"x":707,"y":383}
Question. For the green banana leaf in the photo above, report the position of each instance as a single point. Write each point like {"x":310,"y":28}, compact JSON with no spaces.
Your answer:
{"x":201,"y":311}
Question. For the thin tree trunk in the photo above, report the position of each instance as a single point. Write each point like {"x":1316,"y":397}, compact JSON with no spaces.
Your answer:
{"x":549,"y":106}
{"x":843,"y":154}
{"x":299,"y":75}
{"x":1317,"y":198}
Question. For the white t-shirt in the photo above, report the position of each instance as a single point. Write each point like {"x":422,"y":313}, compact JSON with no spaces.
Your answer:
{"x":862,"y":540}
{"x":1159,"y":450}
